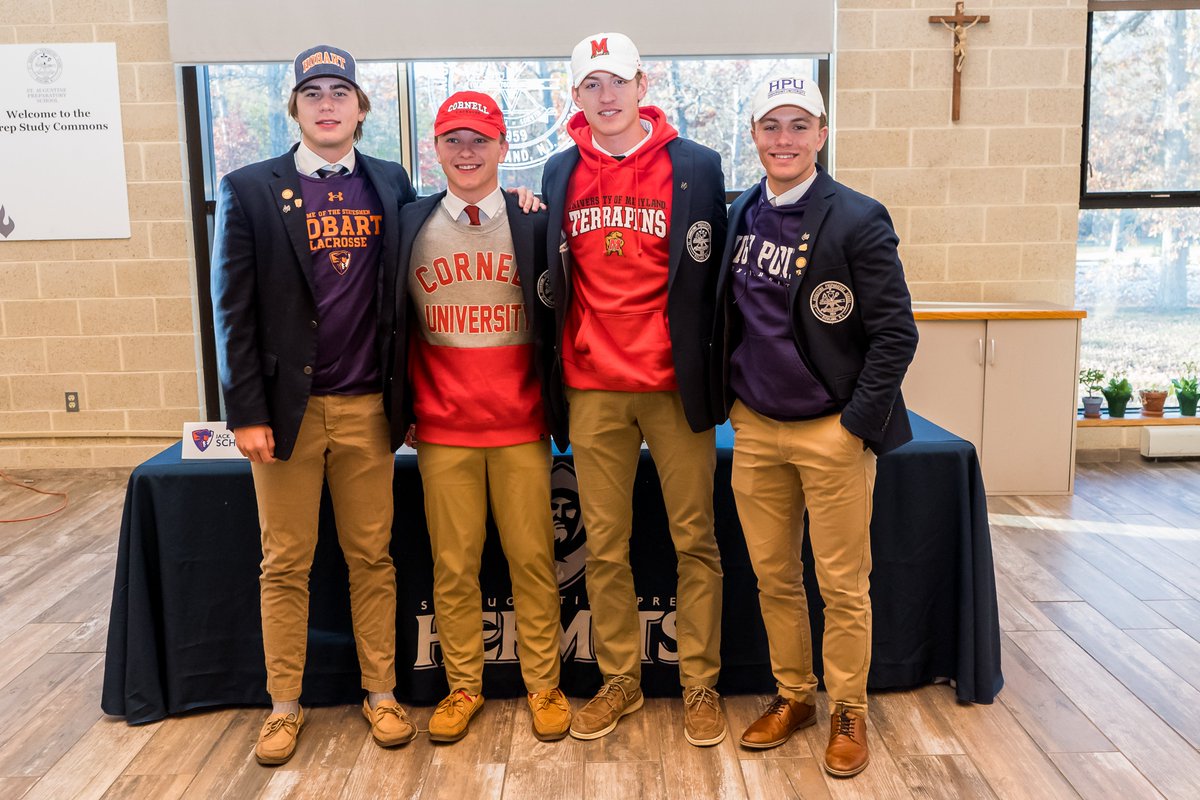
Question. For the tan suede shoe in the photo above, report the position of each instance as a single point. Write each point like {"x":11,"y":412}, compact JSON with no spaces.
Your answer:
{"x":847,"y":753}
{"x":703,"y":721}
{"x":390,"y":725}
{"x":782,"y":718}
{"x":616,"y":698}
{"x":451,"y":717}
{"x":551,"y":714}
{"x":277,"y":738}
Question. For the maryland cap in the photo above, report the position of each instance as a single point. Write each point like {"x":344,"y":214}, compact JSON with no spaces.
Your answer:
{"x":605,"y":52}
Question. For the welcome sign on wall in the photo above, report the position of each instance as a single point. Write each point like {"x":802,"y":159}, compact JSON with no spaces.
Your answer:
{"x":60,"y":132}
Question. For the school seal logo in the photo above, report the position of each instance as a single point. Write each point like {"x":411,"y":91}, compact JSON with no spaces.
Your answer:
{"x":340,"y":259}
{"x":699,"y":241}
{"x":45,"y":65}
{"x":831,"y":302}
{"x":544,"y":292}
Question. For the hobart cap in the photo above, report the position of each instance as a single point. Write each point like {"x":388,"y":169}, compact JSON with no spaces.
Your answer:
{"x":324,"y":60}
{"x":474,"y":111}
{"x":605,"y":52}
{"x":787,"y":91}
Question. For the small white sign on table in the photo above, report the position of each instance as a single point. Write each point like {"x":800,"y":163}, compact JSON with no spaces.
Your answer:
{"x":209,"y":440}
{"x":60,"y":132}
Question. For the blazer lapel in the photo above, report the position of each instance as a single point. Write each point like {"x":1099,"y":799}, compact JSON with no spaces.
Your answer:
{"x":521,"y":226}
{"x":286,"y":190}
{"x":412,"y":218}
{"x":822,"y":192}
{"x":681,"y":201}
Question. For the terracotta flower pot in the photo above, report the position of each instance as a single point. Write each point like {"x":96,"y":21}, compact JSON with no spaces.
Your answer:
{"x":1152,"y":402}
{"x":1091,"y":407}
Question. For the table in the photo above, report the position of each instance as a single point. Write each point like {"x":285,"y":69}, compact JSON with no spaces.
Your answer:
{"x":185,"y":631}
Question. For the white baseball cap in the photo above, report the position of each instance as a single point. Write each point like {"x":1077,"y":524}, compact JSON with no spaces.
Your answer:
{"x":787,"y":91}
{"x":605,"y":52}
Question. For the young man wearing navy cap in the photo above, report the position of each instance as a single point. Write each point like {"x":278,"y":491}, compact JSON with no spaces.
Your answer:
{"x":303,"y":244}
{"x":477,"y":376}
{"x":640,"y":215}
{"x":818,"y":331}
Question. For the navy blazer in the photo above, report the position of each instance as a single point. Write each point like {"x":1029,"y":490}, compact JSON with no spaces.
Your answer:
{"x":264,"y":309}
{"x":860,"y":358}
{"x":697,"y":202}
{"x":528,"y":231}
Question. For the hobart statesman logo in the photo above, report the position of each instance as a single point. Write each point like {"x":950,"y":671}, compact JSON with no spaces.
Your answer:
{"x":202,"y":438}
{"x":614,"y":244}
{"x":340,"y":260}
{"x":599,"y":47}
{"x":831,"y":302}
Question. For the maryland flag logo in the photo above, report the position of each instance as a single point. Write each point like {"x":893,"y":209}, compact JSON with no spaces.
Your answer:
{"x":614,"y":244}
{"x":340,"y":260}
{"x":600,"y":48}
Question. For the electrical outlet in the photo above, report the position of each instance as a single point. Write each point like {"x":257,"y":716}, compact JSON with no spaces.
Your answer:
{"x":72,"y":401}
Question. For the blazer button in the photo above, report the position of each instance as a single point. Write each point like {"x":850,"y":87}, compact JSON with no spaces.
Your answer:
{"x":308,"y":370}
{"x":312,"y":324}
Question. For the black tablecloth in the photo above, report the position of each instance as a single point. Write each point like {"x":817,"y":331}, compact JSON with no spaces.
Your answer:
{"x":185,"y":632}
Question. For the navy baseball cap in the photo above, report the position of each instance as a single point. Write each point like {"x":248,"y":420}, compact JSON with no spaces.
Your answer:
{"x":322,"y":61}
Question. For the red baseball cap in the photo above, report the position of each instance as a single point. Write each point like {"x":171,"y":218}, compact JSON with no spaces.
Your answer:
{"x":474,"y":111}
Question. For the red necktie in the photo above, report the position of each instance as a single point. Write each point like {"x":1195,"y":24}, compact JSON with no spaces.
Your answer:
{"x":472,"y":214}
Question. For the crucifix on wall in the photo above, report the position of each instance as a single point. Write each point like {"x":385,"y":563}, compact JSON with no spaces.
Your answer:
{"x":959,"y":24}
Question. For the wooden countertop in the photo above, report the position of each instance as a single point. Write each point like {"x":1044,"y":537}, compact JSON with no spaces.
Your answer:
{"x":926,"y":310}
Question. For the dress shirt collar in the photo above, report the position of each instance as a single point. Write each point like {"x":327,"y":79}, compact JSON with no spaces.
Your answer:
{"x":791,"y":195}
{"x":490,"y":207}
{"x":308,"y":162}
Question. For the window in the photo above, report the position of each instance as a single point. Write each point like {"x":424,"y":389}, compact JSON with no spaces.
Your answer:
{"x":237,"y":115}
{"x":1138,"y":262}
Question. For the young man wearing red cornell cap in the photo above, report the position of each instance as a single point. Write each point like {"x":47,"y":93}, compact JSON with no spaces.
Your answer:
{"x":302,"y":242}
{"x":474,"y":287}
{"x":640,"y":215}
{"x":818,"y":332}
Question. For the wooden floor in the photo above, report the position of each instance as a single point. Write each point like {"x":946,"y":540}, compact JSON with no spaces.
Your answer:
{"x":1099,"y":603}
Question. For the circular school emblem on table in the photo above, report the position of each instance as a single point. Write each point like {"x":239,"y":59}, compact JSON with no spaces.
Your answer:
{"x":699,"y":241}
{"x":831,"y":302}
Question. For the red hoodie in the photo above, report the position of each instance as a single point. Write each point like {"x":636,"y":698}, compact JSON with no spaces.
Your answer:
{"x":617,"y":221}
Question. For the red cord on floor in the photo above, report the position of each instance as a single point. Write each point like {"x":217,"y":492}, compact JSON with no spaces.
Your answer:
{"x":7,"y":479}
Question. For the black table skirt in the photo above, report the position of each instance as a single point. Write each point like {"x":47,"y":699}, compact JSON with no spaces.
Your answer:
{"x":185,"y":632}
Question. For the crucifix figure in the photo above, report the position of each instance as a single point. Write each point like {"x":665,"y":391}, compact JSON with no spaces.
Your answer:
{"x":955,"y":25}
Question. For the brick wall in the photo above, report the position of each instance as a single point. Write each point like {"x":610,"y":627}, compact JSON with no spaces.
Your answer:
{"x":112,"y":319}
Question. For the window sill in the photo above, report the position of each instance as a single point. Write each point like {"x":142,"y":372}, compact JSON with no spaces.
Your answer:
{"x":1135,"y":420}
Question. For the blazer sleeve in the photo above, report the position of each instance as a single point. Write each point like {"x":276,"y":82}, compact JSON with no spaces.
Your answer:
{"x":235,"y":318}
{"x":887,"y":317}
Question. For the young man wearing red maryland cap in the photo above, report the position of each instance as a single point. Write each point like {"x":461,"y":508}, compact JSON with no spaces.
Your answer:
{"x":478,"y":369}
{"x":640,"y":213}
{"x":302,"y":242}
{"x":818,"y":332}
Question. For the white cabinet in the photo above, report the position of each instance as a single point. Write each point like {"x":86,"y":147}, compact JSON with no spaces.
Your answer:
{"x":1004,"y":378}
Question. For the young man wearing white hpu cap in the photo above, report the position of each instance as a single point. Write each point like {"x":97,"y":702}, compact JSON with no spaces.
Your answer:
{"x":303,"y":243}
{"x":640,"y":215}
{"x":817,"y":331}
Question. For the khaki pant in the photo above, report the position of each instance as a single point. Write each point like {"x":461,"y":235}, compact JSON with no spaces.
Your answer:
{"x":345,"y":440}
{"x":458,"y":482}
{"x":779,"y":469}
{"x":607,"y":429}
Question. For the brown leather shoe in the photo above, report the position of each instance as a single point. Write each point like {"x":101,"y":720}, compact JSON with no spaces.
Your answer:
{"x":703,"y":722}
{"x":551,"y":714}
{"x":847,"y":753}
{"x":390,"y":726}
{"x":617,"y":697}
{"x":450,"y":718}
{"x":783,"y":717}
{"x":277,"y":738}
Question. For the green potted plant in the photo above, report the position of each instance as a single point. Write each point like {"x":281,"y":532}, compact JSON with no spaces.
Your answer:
{"x":1117,"y":392}
{"x":1153,"y":398}
{"x":1186,"y":390}
{"x":1091,"y":379}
